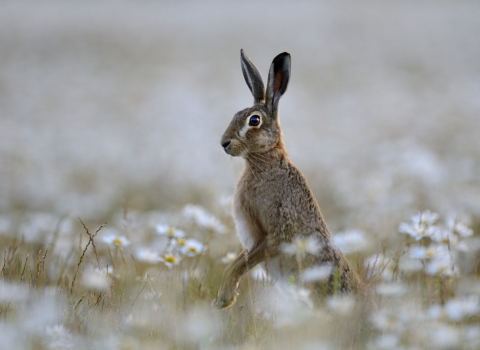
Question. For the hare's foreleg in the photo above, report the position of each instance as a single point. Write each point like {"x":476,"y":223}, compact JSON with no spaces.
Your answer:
{"x":236,"y":260}
{"x":244,"y":262}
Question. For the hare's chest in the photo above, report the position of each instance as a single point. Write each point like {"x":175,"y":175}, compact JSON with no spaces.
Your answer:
{"x":246,"y":216}
{"x":243,"y":223}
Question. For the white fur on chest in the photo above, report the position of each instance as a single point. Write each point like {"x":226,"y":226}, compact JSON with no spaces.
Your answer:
{"x":243,"y":226}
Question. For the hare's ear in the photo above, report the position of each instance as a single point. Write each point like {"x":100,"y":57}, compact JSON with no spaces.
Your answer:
{"x":253,"y":78}
{"x":278,"y":78}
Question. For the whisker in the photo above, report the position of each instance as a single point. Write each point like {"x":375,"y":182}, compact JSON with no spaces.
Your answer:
{"x":261,"y":168}
{"x":257,"y":157}
{"x":260,"y":156}
{"x":251,"y":157}
{"x":256,"y":178}
{"x":250,"y":166}
{"x":246,"y":154}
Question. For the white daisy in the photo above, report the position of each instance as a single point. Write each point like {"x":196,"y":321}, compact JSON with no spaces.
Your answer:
{"x":421,"y":225}
{"x":228,"y":258}
{"x":434,"y":312}
{"x":107,"y":271}
{"x":459,"y":309}
{"x":57,"y":330}
{"x":386,"y":320}
{"x":426,"y":218}
{"x":409,"y":265}
{"x":95,"y":280}
{"x":302,"y":246}
{"x":422,"y":253}
{"x":169,"y":231}
{"x":170,"y":260}
{"x":202,"y":218}
{"x":386,"y":342}
{"x":192,"y":247}
{"x":147,"y":255}
{"x":302,"y":295}
{"x":441,"y":265}
{"x":5,"y":224}
{"x":472,"y":336}
{"x":116,"y":241}
{"x":443,"y":336}
{"x":340,"y":304}
{"x":11,"y":292}
{"x":444,"y":236}
{"x":317,"y":273}
{"x":458,"y":227}
{"x":258,"y":273}
{"x":351,"y":241}
{"x":391,"y":289}
{"x":59,"y":337}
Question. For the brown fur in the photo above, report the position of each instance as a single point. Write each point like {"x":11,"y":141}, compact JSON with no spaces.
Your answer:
{"x":273,"y":203}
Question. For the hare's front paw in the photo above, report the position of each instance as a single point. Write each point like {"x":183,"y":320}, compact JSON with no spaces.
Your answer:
{"x":225,"y":298}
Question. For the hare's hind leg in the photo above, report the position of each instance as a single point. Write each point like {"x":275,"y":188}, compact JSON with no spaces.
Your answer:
{"x":245,"y":261}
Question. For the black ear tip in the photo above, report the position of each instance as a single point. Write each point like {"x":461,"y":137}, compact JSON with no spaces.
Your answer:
{"x":283,"y":58}
{"x":243,"y":56}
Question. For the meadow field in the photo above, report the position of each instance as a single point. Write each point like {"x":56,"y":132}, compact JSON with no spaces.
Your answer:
{"x":115,"y":194}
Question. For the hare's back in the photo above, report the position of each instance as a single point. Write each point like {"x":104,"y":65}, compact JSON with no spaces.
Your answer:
{"x":298,"y":204}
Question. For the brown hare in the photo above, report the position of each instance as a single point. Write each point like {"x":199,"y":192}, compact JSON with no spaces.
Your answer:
{"x":273,"y":204}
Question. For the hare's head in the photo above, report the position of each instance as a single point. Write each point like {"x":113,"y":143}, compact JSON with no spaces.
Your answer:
{"x":257,"y":129}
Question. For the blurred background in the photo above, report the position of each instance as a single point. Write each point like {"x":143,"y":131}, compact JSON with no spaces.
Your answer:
{"x":106,"y":103}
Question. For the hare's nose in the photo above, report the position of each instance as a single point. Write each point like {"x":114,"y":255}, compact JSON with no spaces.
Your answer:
{"x":226,"y":144}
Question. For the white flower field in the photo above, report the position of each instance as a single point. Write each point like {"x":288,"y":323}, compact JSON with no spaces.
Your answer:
{"x":116,"y":195}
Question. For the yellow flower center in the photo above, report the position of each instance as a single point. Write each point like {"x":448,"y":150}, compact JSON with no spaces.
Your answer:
{"x":430,"y":252}
{"x":170,"y":259}
{"x":181,"y":242}
{"x":171,"y":231}
{"x":117,"y":241}
{"x":301,"y":244}
{"x":192,"y":249}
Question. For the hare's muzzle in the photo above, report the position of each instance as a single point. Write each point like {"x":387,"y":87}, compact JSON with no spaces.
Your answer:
{"x":226,"y":145}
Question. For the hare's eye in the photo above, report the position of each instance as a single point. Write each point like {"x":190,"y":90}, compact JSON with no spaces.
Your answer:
{"x":254,"y":120}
